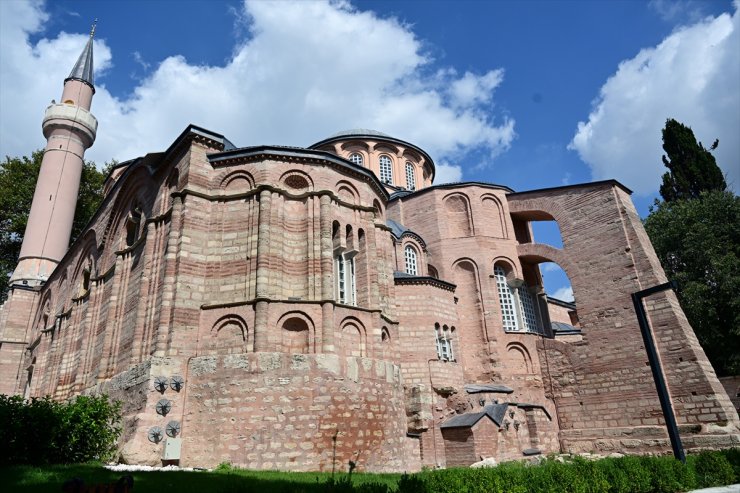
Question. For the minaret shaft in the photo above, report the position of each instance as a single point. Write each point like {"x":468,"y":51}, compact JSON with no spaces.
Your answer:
{"x":70,"y":129}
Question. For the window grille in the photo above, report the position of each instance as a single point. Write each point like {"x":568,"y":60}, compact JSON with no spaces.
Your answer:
{"x":410,"y":177}
{"x":506,"y":300}
{"x":386,"y":170}
{"x":410,"y":256}
{"x":443,"y":338}
{"x":529,"y":315}
{"x":346,"y":280}
{"x":356,"y":158}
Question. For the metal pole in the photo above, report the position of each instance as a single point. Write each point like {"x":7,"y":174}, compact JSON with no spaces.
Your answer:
{"x":652,"y":353}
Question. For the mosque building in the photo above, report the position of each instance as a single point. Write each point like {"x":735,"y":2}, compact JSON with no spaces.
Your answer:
{"x":297,"y":308}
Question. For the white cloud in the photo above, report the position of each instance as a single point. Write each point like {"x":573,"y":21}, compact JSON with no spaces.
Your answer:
{"x":671,"y":10}
{"x":447,"y":173}
{"x":693,"y":76}
{"x":564,"y":294}
{"x":305,"y":71}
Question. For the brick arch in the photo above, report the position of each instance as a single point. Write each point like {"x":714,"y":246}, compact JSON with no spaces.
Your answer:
{"x":166,"y":191}
{"x":387,"y":148}
{"x":229,"y":335}
{"x":297,"y":181}
{"x":133,"y":191}
{"x":459,"y":220}
{"x":297,"y":333}
{"x":235,"y":181}
{"x":499,"y":228}
{"x":347,"y":192}
{"x":62,"y":294}
{"x":537,"y":253}
{"x":354,"y":337}
{"x":87,"y":261}
{"x":509,"y":265}
{"x":379,"y":208}
{"x":519,"y":356}
{"x":43,"y":314}
{"x":355,"y":146}
{"x":418,"y":255}
{"x":473,"y":333}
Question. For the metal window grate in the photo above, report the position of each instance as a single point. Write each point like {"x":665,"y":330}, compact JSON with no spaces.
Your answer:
{"x":506,"y":300}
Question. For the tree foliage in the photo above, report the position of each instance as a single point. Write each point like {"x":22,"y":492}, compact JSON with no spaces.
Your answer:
{"x":692,"y":169}
{"x":18,"y":177}
{"x":44,"y":431}
{"x":698,"y":243}
{"x":696,"y":233}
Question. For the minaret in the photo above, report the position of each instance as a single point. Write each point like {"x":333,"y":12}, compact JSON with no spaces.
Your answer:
{"x":70,"y":129}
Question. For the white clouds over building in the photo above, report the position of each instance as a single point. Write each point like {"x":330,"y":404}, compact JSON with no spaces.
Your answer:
{"x":692,"y":76}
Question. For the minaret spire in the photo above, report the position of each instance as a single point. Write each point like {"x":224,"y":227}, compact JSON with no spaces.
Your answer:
{"x":83,"y":69}
{"x":70,"y":129}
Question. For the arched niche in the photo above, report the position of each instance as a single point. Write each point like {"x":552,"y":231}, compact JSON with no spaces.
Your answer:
{"x":237,"y":182}
{"x":296,"y":181}
{"x":519,"y":358}
{"x":229,"y":335}
{"x":379,"y":211}
{"x":353,"y":337}
{"x":296,"y":331}
{"x":494,"y":211}
{"x":457,"y":209}
{"x":347,"y":192}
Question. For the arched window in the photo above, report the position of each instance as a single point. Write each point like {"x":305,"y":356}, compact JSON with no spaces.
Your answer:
{"x":410,"y":176}
{"x":386,"y":169}
{"x":346,"y":284}
{"x":529,"y":315}
{"x":356,"y":158}
{"x":410,"y":256}
{"x":506,"y":300}
{"x":518,"y":310}
{"x":133,"y":225}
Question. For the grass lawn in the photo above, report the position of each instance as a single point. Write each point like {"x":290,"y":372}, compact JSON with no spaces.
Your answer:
{"x":50,"y":479}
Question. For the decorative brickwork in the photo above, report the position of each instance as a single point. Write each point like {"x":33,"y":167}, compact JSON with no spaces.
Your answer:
{"x":276,"y":286}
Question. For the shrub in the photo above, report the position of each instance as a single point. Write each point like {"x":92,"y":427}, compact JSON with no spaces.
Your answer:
{"x":43,"y":431}
{"x":712,"y":469}
{"x":669,"y":475}
{"x":733,"y":457}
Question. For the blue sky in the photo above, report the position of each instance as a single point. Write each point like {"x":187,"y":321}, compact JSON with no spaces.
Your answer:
{"x":528,"y":94}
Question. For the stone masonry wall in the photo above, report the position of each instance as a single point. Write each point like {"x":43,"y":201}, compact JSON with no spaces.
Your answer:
{"x":294,"y":412}
{"x":603,"y":389}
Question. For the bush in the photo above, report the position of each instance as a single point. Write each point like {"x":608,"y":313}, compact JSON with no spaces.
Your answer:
{"x":733,"y":457}
{"x":712,"y":469}
{"x":43,"y":431}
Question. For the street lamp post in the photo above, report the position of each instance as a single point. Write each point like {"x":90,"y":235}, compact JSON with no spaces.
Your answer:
{"x":660,"y":385}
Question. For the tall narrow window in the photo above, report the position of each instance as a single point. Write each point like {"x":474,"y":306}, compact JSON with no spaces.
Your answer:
{"x":506,"y":300}
{"x":529,"y":316}
{"x":410,"y":176}
{"x":386,"y":170}
{"x":356,"y":158}
{"x":443,"y":337}
{"x":410,"y":257}
{"x":345,"y":279}
{"x":341,"y":281}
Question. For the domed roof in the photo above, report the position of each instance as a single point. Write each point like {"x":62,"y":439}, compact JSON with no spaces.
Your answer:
{"x":358,"y":132}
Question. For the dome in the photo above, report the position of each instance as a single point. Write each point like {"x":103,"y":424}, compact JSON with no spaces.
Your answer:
{"x":358,"y":132}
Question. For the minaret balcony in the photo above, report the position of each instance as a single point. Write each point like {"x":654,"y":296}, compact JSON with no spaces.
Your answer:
{"x":73,"y":118}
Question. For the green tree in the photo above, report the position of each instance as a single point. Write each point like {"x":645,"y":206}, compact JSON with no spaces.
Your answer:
{"x":692,"y":169}
{"x":698,"y":243}
{"x":18,"y":177}
{"x":696,"y":233}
